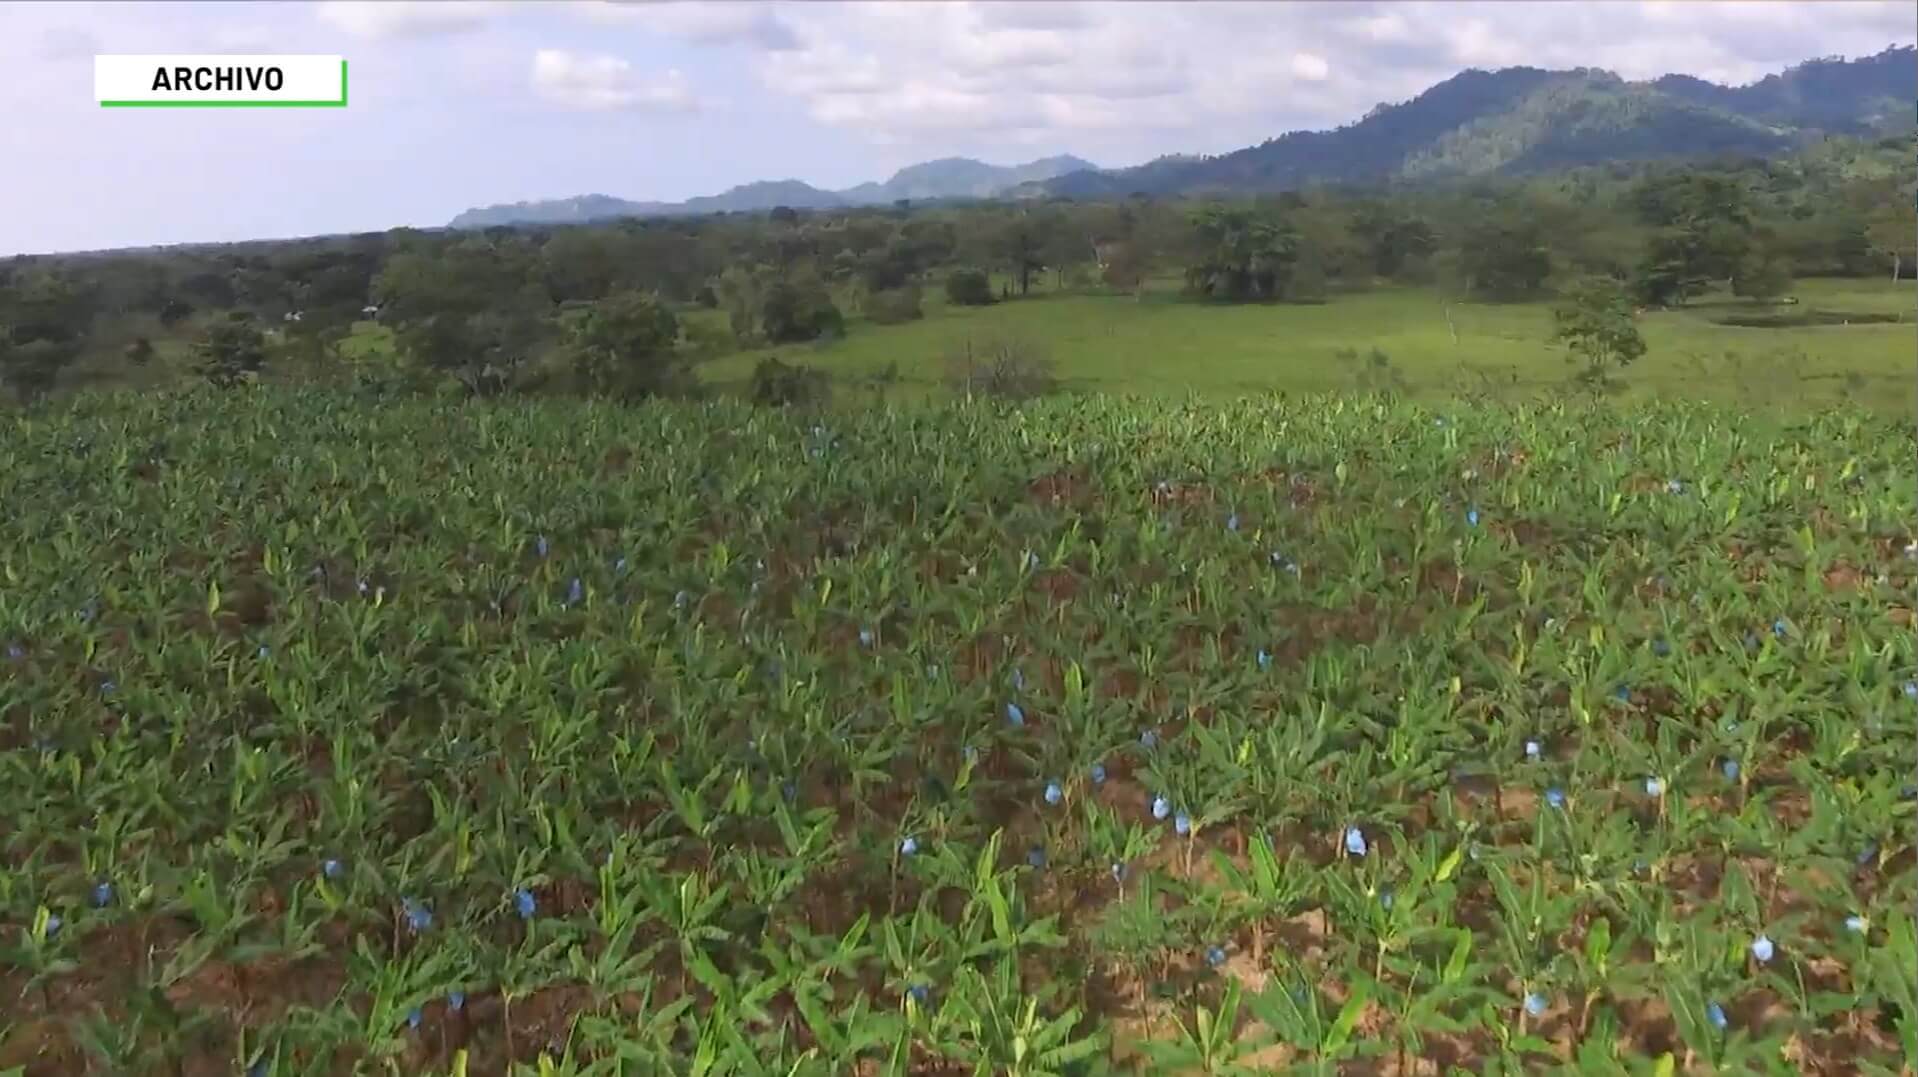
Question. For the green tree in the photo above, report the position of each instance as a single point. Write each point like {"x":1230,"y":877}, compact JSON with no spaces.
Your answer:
{"x":1243,"y":254}
{"x":475,"y":311}
{"x":968,"y":287}
{"x":231,"y":350}
{"x":45,"y":318}
{"x":1762,"y":277}
{"x":1020,"y":242}
{"x":1596,"y":323}
{"x":623,"y":345}
{"x":1504,"y":257}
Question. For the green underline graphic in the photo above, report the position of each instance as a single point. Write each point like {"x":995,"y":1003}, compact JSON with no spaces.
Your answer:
{"x":341,"y":103}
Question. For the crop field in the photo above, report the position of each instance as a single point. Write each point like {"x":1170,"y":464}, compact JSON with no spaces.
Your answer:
{"x":1321,"y":735}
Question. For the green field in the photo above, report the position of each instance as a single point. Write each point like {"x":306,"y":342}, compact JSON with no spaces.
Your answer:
{"x":1168,"y":345}
{"x":1316,"y":735}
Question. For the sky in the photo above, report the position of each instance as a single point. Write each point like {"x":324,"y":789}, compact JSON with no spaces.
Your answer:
{"x":459,"y":103}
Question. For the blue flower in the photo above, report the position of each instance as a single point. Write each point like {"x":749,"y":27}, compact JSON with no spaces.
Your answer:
{"x":456,"y":1000}
{"x":1385,"y":898}
{"x":920,"y":993}
{"x":1555,"y":797}
{"x":1911,"y":689}
{"x":1148,"y":740}
{"x":1118,"y":872}
{"x":1534,"y":1003}
{"x":1730,"y":769}
{"x":1866,"y":854}
{"x":16,"y":652}
{"x":619,"y":565}
{"x":1779,"y":628}
{"x":909,"y":847}
{"x":1716,"y":1015}
{"x":1354,"y":841}
{"x":1014,"y":715}
{"x":54,"y":923}
{"x":1855,"y":924}
{"x":1471,"y":517}
{"x":865,"y":637}
{"x":524,"y":903}
{"x":1532,"y":749}
{"x":679,"y":600}
{"x":1232,"y":522}
{"x":1018,"y":679}
{"x":413,"y":1018}
{"x":418,"y":916}
{"x":1054,"y":792}
{"x":1032,"y":561}
{"x":1215,"y":956}
{"x":1762,"y":949}
{"x":1161,"y":807}
{"x":1036,"y":856}
{"x":575,"y":592}
{"x":264,"y":650}
{"x":107,"y":688}
{"x":331,"y":868}
{"x":1654,"y":787}
{"x":789,"y":790}
{"x":1265,"y":661}
{"x":1182,"y":824}
{"x":1623,"y":693}
{"x":1674,"y":486}
{"x":1661,"y":648}
{"x":539,"y":546}
{"x":258,"y":1068}
{"x":102,"y":895}
{"x":1098,"y":773}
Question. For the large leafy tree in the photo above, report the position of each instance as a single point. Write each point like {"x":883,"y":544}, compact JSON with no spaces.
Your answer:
{"x":1504,"y":257}
{"x":1242,"y":254}
{"x":45,"y":317}
{"x":623,"y":345}
{"x":475,"y":312}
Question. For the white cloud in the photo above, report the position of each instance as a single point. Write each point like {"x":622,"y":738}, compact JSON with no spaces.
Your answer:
{"x":1309,"y":67}
{"x":757,"y":25}
{"x":600,"y":82}
{"x":406,"y":18}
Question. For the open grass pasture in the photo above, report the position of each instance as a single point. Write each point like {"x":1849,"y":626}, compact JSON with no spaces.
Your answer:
{"x":1320,"y":735}
{"x":1167,"y":345}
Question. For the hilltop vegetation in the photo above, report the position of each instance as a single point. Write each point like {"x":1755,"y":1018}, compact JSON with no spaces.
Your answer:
{"x":1523,"y":120}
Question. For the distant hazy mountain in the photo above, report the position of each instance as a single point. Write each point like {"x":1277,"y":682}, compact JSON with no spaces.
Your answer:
{"x":950,"y":177}
{"x":1523,"y":119}
{"x":1478,"y":123}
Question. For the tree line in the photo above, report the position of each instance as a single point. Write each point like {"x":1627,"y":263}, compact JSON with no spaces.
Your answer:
{"x":614,"y":308}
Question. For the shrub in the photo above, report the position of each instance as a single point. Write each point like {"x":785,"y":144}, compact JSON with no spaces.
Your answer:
{"x":969,"y":288}
{"x":231,"y":351}
{"x":777,"y":385}
{"x":1007,"y":367}
{"x":894,"y":306}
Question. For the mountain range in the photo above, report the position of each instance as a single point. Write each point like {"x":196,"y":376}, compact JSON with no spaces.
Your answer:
{"x":950,"y":177}
{"x":1513,"y":121}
